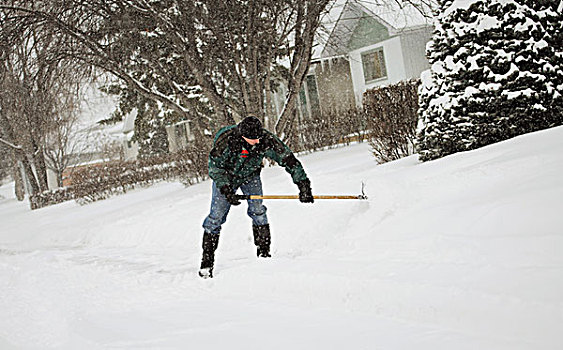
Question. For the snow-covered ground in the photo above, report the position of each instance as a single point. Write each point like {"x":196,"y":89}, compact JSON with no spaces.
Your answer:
{"x":461,"y":253}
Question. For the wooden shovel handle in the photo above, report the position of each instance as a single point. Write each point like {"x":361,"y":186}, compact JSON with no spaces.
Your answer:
{"x":245,"y":197}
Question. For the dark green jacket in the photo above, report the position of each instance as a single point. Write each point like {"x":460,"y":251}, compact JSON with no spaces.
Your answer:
{"x":233,"y":161}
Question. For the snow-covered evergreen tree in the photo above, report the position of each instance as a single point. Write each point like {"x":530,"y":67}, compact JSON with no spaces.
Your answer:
{"x":150,"y":122}
{"x":150,"y":130}
{"x":497,"y":72}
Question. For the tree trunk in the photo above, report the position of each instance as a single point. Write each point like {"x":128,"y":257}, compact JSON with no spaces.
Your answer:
{"x":60,"y":178}
{"x":40,"y":167}
{"x":19,"y":190}
{"x":19,"y":153}
{"x":28,"y":170}
{"x":305,"y":34}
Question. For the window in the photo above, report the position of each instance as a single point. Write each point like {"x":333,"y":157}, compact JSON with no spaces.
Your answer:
{"x":190,"y":134}
{"x":374,"y":65}
{"x":308,"y":101}
{"x":313,"y":94}
{"x":303,"y":101}
{"x":182,"y":135}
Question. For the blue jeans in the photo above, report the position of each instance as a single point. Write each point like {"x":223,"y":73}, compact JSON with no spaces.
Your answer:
{"x":220,"y":207}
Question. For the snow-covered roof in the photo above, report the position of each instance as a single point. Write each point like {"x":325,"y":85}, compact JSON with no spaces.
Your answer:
{"x":339,"y":23}
{"x":399,"y":16}
{"x":96,"y":105}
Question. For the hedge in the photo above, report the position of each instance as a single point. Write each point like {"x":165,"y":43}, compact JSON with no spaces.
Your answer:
{"x":189,"y":166}
{"x":392,"y":118}
{"x":103,"y":180}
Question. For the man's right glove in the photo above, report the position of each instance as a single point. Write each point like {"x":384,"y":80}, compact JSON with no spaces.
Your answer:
{"x":305,"y":192}
{"x":229,"y":194}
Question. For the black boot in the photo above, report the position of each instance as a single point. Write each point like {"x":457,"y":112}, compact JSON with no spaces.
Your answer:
{"x":210,"y":242}
{"x":262,"y":240}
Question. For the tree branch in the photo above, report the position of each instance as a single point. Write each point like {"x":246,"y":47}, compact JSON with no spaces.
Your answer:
{"x":11,"y":145}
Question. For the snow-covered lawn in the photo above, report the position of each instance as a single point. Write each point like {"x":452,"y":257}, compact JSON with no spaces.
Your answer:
{"x":461,"y":253}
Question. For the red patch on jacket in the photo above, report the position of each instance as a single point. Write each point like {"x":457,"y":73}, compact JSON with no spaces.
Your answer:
{"x":244,"y":153}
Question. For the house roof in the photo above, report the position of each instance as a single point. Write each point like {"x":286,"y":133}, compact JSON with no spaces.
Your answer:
{"x":349,"y":22}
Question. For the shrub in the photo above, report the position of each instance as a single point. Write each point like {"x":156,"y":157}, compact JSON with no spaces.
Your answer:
{"x":330,"y":129}
{"x":392,"y":119}
{"x":103,"y":180}
{"x":46,"y":198}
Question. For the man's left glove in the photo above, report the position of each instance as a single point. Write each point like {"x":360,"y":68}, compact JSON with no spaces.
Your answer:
{"x":305,"y":192}
{"x":229,"y":194}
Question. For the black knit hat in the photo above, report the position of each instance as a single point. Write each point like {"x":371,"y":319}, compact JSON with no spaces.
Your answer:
{"x":251,"y":128}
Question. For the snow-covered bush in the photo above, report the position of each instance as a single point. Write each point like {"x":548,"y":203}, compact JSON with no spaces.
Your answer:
{"x":46,"y":198}
{"x":496,"y":72}
{"x":103,"y":180}
{"x":100,"y":182}
{"x":391,"y":113}
{"x":330,"y":129}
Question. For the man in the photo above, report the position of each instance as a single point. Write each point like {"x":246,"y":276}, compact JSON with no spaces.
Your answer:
{"x":236,"y":162}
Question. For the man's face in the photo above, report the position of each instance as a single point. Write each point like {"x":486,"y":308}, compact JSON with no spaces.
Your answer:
{"x":252,"y":142}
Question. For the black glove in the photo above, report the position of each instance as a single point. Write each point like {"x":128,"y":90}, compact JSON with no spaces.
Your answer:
{"x":230,"y":195}
{"x":305,"y":192}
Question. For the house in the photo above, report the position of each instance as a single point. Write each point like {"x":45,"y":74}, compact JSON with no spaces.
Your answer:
{"x":369,"y":45}
{"x":93,"y":144}
{"x":101,"y":143}
{"x":180,"y":135}
{"x":130,"y":147}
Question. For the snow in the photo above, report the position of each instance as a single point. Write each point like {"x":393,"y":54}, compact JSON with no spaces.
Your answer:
{"x":459,"y":253}
{"x":540,"y":44}
{"x":519,"y":93}
{"x":486,"y":23}
{"x":459,"y":4}
{"x":96,"y":105}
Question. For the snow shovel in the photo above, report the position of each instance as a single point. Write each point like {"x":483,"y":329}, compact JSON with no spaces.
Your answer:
{"x":246,"y":197}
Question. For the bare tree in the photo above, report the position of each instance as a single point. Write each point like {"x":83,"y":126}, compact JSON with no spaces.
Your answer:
{"x":61,"y":142}
{"x":231,"y":52}
{"x":15,"y":127}
{"x":36,"y":86}
{"x":5,"y":161}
